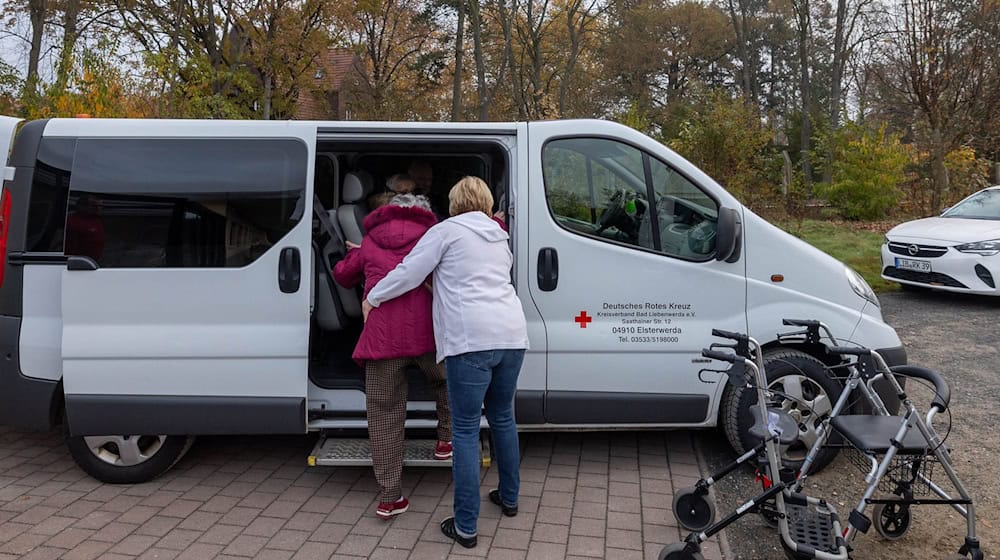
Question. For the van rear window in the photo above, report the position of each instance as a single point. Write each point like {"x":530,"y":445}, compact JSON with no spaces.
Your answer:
{"x":49,"y":188}
{"x":183,"y":202}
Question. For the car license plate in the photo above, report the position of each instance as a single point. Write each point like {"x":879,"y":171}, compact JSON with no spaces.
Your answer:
{"x":910,"y":264}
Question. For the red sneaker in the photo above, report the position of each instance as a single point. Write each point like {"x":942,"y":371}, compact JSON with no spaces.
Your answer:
{"x":443,"y":451}
{"x":389,"y":510}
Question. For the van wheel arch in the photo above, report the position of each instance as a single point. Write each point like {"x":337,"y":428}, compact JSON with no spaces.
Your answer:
{"x":97,"y":455}
{"x":157,"y":454}
{"x":734,"y":415}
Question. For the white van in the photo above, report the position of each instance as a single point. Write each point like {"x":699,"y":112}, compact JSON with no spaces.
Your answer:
{"x":164,"y":279}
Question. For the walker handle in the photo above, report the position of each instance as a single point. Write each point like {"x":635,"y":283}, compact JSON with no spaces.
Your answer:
{"x":722,"y":356}
{"x":739,"y":337}
{"x":800,"y":322}
{"x":942,"y":392}
{"x":849,"y":350}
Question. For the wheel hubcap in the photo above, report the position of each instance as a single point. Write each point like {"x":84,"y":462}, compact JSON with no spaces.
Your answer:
{"x":124,"y":451}
{"x":806,"y":402}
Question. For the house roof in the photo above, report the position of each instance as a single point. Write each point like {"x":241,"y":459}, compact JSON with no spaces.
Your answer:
{"x":334,"y":65}
{"x":322,"y":99}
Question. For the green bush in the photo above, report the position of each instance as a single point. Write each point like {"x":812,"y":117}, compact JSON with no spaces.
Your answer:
{"x":868,"y":166}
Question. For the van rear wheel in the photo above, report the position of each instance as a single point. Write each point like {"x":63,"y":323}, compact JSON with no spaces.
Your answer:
{"x":797,"y":374}
{"x":127,"y":459}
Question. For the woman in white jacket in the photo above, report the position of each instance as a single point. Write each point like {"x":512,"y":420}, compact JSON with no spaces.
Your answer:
{"x":480,"y":333}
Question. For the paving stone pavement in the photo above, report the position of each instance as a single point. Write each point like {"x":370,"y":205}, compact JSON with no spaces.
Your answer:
{"x":583,"y":495}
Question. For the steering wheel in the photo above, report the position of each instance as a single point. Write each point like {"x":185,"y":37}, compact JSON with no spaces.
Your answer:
{"x":701,"y":238}
{"x":614,"y":212}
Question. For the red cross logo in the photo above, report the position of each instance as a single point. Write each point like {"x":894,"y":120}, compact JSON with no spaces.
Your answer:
{"x":583,"y":319}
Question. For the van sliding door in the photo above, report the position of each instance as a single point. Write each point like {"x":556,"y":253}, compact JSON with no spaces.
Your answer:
{"x":185,"y":301}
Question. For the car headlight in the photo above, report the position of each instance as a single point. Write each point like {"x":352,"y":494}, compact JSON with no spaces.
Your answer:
{"x":984,"y":248}
{"x":859,"y":285}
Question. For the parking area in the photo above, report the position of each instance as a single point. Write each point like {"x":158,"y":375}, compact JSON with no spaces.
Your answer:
{"x":583,"y":495}
{"x":596,"y":495}
{"x":956,"y":335}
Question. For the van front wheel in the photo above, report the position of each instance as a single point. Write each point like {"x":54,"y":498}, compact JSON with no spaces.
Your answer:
{"x":798,"y":375}
{"x":127,"y":459}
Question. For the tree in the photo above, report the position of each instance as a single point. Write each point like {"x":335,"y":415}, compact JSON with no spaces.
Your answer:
{"x":10,"y":87}
{"x":285,"y":40}
{"x":198,"y":51}
{"x":726,"y":138}
{"x":655,"y":53}
{"x":96,"y":86}
{"x":803,"y":22}
{"x":403,"y":55}
{"x":849,"y":17}
{"x":492,"y":65}
{"x":938,"y":67}
{"x":580,"y":17}
{"x":745,"y":16}
{"x":456,"y":86}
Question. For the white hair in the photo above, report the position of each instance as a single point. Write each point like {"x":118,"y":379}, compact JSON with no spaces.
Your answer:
{"x":412,"y":200}
{"x":394,"y":180}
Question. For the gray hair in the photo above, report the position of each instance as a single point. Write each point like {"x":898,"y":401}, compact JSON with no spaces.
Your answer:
{"x":394,"y":180}
{"x":411,"y":201}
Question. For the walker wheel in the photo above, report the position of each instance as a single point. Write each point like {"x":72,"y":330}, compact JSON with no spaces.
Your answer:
{"x":892,"y":521}
{"x":678,"y":551}
{"x":769,"y":513}
{"x":973,"y":554}
{"x":693,"y":510}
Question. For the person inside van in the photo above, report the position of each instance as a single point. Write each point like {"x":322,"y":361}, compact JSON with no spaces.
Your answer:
{"x":422,"y":174}
{"x":481,"y":335}
{"x":400,"y":183}
{"x":399,"y":335}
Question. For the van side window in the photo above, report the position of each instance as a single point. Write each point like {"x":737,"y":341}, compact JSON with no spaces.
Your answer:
{"x":611,"y":190}
{"x":686,"y":217}
{"x":49,"y":188}
{"x":596,"y":187}
{"x":148,"y":203}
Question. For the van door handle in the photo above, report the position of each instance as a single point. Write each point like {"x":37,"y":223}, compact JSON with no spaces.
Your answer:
{"x":289,"y":270}
{"x":79,"y":262}
{"x":548,"y":269}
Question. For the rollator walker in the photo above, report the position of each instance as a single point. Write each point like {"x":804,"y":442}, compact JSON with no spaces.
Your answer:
{"x":809,"y":527}
{"x":897,"y":453}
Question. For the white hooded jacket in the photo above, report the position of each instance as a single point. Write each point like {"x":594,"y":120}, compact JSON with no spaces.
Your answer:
{"x":475,"y":306}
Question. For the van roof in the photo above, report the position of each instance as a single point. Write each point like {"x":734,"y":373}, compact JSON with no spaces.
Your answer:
{"x":74,"y":127}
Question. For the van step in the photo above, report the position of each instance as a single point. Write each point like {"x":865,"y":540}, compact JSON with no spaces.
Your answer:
{"x":357,"y":452}
{"x":351,"y":452}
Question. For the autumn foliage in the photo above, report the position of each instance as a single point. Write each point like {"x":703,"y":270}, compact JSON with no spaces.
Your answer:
{"x":857,"y":107}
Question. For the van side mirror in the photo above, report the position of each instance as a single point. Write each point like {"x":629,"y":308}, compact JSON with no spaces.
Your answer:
{"x":944,"y":210}
{"x":728,"y":240}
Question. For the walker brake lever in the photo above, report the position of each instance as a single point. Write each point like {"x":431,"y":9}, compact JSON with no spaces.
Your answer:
{"x":702,"y":371}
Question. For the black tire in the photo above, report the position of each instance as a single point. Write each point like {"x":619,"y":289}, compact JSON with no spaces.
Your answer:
{"x":676,"y":551}
{"x":892,"y":521}
{"x":163,"y":454}
{"x":735,"y":406}
{"x":693,"y":510}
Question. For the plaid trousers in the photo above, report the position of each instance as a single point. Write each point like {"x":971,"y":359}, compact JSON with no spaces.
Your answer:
{"x":385,"y":393}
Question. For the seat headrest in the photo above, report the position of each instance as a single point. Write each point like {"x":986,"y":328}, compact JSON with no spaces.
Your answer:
{"x":357,"y":186}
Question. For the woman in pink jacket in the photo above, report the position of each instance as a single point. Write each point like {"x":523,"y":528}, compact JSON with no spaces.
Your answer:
{"x":398,"y":334}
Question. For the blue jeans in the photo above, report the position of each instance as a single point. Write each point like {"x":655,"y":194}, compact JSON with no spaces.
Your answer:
{"x":476,"y":379}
